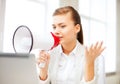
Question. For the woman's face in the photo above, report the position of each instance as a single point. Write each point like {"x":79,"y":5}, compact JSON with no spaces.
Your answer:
{"x":64,"y":28}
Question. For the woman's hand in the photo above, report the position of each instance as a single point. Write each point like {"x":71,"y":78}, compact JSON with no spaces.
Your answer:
{"x":93,"y":52}
{"x":44,"y":57}
{"x":90,"y":56}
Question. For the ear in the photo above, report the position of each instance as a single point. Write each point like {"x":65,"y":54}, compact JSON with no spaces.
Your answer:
{"x":77,"y":27}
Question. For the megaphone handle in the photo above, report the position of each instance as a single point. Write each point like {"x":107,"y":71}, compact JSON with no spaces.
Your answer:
{"x":42,"y":65}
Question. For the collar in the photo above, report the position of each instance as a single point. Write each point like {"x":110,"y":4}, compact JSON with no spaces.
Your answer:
{"x":72,"y":52}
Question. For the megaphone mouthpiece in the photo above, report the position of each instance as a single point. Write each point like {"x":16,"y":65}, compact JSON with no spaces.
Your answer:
{"x":56,"y":41}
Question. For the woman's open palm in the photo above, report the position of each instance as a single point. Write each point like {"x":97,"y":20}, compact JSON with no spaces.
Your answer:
{"x":93,"y":52}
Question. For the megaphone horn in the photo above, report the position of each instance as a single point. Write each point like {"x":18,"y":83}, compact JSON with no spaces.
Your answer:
{"x":24,"y":40}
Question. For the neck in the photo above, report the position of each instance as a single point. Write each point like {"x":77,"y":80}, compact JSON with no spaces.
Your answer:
{"x":68,"y":47}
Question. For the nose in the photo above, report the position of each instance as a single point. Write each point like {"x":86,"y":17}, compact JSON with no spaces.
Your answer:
{"x":56,"y":31}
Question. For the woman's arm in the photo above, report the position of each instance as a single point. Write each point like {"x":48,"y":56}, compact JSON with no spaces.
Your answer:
{"x":90,"y":56}
{"x":44,"y":57}
{"x":89,"y":71}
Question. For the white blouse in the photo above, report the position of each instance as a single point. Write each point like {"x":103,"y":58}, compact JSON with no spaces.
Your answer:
{"x":66,"y":69}
{"x":70,"y":69}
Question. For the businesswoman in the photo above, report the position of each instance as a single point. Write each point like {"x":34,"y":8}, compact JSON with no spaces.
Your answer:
{"x":70,"y":62}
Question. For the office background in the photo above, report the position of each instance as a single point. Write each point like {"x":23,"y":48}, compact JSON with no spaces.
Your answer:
{"x":112,"y":77}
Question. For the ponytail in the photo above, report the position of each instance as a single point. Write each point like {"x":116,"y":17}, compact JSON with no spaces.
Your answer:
{"x":80,"y":35}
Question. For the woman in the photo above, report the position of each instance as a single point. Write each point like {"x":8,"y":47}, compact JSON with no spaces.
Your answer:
{"x":70,"y":62}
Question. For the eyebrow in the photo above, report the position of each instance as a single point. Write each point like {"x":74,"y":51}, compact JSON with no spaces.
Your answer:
{"x":58,"y":24}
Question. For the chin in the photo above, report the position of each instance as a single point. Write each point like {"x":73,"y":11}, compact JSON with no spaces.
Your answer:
{"x":61,"y":42}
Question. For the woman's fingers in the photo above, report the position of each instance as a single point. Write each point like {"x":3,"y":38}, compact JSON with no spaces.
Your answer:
{"x":94,"y":51}
{"x":43,"y":57}
{"x":99,"y":48}
{"x":96,"y":45}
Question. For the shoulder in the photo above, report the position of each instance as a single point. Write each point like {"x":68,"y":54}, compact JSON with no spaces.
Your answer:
{"x":80,"y":47}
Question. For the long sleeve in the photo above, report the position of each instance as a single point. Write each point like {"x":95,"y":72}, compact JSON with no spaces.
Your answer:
{"x":47,"y":81}
{"x":90,"y":82}
{"x":101,"y":70}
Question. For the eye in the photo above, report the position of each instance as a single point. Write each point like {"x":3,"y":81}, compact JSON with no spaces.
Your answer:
{"x":54,"y":27}
{"x":63,"y":26}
